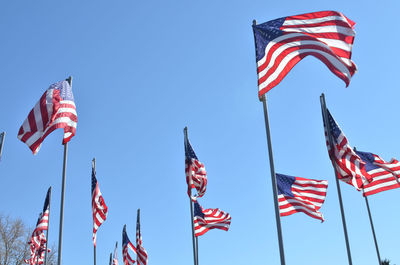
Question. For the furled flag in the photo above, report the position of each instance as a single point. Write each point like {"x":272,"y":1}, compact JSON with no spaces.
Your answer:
{"x":55,"y":109}
{"x":2,"y":136}
{"x":99,"y":207}
{"x":38,"y":238}
{"x":301,"y":195}
{"x":115,"y":258}
{"x":126,"y":245}
{"x":283,"y":42}
{"x":141,"y":252}
{"x":207,"y":219}
{"x":349,"y":166}
{"x":196,"y":175}
{"x":385,"y":175}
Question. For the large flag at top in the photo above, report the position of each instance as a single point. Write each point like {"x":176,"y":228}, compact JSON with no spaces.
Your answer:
{"x":385,"y":175}
{"x":207,"y":219}
{"x":196,"y":175}
{"x":126,"y":245}
{"x":55,"y":109}
{"x":283,"y":42}
{"x":349,"y":166}
{"x":99,"y":207}
{"x":301,"y":195}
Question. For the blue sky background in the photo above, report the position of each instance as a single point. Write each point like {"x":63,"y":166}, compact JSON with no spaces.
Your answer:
{"x":143,"y":70}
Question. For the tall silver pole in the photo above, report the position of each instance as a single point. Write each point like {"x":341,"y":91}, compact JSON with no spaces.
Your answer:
{"x":273,"y":176}
{"x":3,"y":135}
{"x":94,"y":246}
{"x":273,"y":181}
{"x":326,"y":121}
{"x":110,"y":263}
{"x":373,"y":230}
{"x":191,"y":208}
{"x":60,"y":234}
{"x":197,"y":250}
{"x":48,"y":227}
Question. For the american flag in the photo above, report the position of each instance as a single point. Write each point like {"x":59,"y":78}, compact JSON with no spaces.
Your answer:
{"x":207,"y":219}
{"x":141,"y":252}
{"x":126,"y":245}
{"x":38,"y":238}
{"x":99,"y":207}
{"x":196,"y":175}
{"x":301,"y":195}
{"x":283,"y":42}
{"x":115,"y":258}
{"x":385,"y":175}
{"x":55,"y":109}
{"x":349,"y":166}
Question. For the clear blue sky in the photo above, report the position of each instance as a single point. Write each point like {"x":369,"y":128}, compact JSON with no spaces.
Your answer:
{"x":145,"y":69}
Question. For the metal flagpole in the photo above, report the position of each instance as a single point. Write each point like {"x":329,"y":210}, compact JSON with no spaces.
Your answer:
{"x":325,"y":118}
{"x":110,"y":263}
{"x":197,"y":250}
{"x":48,"y":227}
{"x":94,"y":246}
{"x":273,"y":179}
{"x":373,"y":230}
{"x":191,"y":207}
{"x":3,"y":135}
{"x":273,"y":176}
{"x":69,"y":79}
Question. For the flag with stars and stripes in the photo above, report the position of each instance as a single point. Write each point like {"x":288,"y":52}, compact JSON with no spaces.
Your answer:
{"x":115,"y":258}
{"x":196,"y":175}
{"x":300,"y":195}
{"x":207,"y":219}
{"x":283,"y":42}
{"x":349,"y":166}
{"x":127,"y":245}
{"x":38,"y":239}
{"x":55,"y":109}
{"x":385,"y":175}
{"x":99,"y":207}
{"x":141,"y":252}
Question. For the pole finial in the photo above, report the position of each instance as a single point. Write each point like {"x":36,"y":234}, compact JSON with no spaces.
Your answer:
{"x":254,"y":22}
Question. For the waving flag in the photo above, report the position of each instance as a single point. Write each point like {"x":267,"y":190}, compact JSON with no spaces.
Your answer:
{"x":99,"y":207}
{"x":385,"y":175}
{"x":141,"y":252}
{"x":196,"y":175}
{"x":349,"y":166}
{"x":283,"y":42}
{"x":207,"y":219}
{"x":55,"y":109}
{"x":38,"y":238}
{"x":126,"y":245}
{"x":115,"y":258}
{"x":301,"y":195}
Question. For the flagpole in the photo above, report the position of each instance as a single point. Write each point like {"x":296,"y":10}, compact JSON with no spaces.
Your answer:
{"x":373,"y":229}
{"x":197,"y":250}
{"x":2,"y":142}
{"x":47,"y":231}
{"x":110,"y":263}
{"x":273,"y":176}
{"x":191,"y":208}
{"x":325,"y":117}
{"x":60,"y":234}
{"x":273,"y":180}
{"x":94,"y":245}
